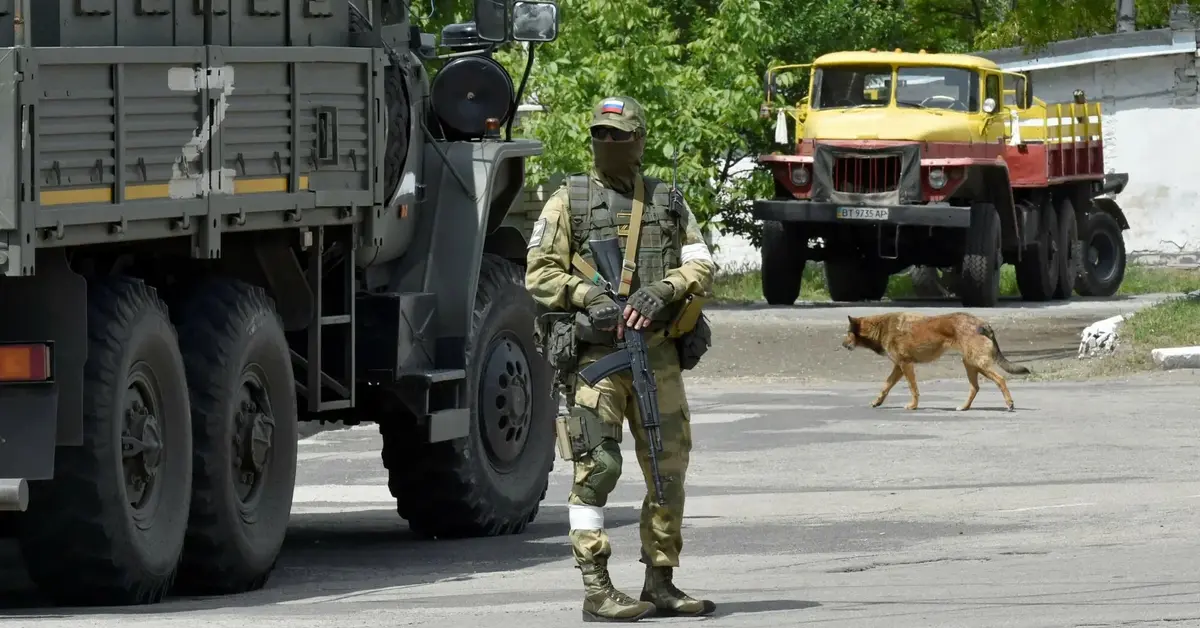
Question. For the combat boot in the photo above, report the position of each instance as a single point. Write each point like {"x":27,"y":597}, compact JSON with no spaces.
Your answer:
{"x":603,"y":602}
{"x":668,"y":600}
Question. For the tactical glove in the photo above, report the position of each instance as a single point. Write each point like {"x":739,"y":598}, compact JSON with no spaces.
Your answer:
{"x":650,"y":300}
{"x":601,"y":309}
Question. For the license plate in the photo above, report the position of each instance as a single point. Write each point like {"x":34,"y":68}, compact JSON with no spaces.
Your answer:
{"x":862,"y":213}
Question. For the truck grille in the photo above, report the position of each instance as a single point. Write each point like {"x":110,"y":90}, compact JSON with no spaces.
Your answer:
{"x":866,"y":175}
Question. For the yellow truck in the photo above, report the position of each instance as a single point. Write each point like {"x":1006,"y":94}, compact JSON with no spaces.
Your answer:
{"x":901,"y":159}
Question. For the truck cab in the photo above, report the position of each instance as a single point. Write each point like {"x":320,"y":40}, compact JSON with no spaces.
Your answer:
{"x":896,"y":159}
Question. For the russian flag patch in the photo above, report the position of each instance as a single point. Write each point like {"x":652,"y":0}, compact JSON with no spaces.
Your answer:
{"x":612,"y":106}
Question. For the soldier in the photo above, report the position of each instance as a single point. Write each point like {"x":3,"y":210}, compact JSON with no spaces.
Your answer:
{"x":672,"y":263}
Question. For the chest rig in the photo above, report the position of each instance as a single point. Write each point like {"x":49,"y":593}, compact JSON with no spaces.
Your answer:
{"x":598,"y":213}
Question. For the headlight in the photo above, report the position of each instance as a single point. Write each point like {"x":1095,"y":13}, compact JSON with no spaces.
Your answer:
{"x":800,"y":175}
{"x":937,"y":178}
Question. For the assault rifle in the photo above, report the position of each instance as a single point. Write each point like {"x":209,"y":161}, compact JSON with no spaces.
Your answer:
{"x":631,"y":355}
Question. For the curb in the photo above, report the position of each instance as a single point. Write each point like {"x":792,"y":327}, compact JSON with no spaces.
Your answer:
{"x":1171,"y":358}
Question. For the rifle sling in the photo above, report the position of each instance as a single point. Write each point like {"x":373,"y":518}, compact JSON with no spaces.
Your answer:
{"x":628,"y":265}
{"x":635,"y":231}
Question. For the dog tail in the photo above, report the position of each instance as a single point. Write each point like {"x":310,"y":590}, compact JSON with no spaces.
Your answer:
{"x":1015,"y":369}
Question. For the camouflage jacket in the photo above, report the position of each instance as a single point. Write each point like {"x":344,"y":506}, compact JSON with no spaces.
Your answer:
{"x":671,"y":248}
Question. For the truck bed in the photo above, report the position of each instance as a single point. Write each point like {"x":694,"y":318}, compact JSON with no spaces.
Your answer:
{"x":120,"y":144}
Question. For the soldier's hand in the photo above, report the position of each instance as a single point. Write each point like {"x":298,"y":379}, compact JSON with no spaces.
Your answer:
{"x":647,"y":303}
{"x":602,"y":310}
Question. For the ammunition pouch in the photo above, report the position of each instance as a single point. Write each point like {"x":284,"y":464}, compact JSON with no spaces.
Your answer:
{"x":687,"y":316}
{"x":554,"y":338}
{"x":694,"y":344}
{"x":586,"y":332}
{"x":581,"y":430}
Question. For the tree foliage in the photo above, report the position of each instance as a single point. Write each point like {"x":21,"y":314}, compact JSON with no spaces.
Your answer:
{"x":697,"y":67}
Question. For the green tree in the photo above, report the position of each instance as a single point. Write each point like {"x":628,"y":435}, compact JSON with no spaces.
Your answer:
{"x":1032,"y":24}
{"x":696,"y":66}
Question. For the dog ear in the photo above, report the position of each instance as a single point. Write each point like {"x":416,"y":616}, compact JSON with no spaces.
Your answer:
{"x":853,"y":322}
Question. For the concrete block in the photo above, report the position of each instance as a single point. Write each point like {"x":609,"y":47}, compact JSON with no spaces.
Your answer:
{"x":1176,"y":358}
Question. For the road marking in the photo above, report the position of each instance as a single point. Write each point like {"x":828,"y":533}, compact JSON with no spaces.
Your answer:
{"x":708,"y":418}
{"x":342,"y":494}
{"x":1048,"y":507}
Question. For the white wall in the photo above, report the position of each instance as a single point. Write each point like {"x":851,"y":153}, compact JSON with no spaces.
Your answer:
{"x":1151,"y":131}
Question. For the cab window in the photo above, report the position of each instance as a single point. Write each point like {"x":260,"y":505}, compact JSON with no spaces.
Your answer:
{"x":991,"y":88}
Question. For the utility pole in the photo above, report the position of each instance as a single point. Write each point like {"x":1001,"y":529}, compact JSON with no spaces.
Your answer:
{"x":1126,"y":16}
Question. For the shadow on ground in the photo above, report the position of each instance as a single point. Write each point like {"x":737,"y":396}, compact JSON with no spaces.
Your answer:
{"x":338,"y":554}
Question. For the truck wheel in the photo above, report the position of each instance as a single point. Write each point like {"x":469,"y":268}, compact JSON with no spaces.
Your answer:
{"x":1037,"y":272}
{"x":979,"y":280}
{"x":782,"y":263}
{"x":109,"y":528}
{"x":1069,"y":249}
{"x":926,"y":282}
{"x":243,"y":396}
{"x":1102,"y":267}
{"x":491,"y":482}
{"x":855,"y":280}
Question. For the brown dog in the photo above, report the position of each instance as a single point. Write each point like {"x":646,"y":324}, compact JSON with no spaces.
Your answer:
{"x":908,"y":339}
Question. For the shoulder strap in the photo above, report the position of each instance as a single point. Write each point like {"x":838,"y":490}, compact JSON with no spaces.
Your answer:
{"x":629,"y":265}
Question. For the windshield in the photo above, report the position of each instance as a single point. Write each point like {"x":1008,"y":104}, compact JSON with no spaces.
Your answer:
{"x":870,"y":85}
{"x":955,"y":89}
{"x":841,"y":86}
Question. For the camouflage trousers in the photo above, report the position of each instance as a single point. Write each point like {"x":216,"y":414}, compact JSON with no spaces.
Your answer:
{"x":597,"y":472}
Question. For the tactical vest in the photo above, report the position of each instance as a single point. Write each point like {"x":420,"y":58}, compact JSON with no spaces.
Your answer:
{"x":598,"y":213}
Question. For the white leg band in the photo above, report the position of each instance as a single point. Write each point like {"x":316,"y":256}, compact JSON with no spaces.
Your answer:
{"x":585,"y":517}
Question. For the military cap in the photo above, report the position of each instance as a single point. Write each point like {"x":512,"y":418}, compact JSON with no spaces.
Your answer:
{"x":620,"y":112}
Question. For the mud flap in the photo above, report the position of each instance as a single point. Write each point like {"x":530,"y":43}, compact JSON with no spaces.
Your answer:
{"x":28,"y":422}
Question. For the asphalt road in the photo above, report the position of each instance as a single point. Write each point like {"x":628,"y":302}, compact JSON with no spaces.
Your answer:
{"x":805,"y":506}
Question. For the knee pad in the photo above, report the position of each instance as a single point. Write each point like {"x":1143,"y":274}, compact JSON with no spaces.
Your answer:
{"x":606,"y":468}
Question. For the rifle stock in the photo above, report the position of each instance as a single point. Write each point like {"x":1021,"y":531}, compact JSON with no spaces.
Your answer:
{"x":631,"y":355}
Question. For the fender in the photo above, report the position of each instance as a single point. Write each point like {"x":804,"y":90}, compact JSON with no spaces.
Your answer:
{"x":1109,"y":206}
{"x":998,"y":189}
{"x":51,"y":305}
{"x":470,"y":188}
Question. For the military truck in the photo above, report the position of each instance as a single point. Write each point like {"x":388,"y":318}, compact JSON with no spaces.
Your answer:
{"x":224,"y":217}
{"x":938,"y":160}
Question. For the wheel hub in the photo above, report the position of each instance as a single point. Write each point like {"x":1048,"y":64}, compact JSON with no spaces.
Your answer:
{"x":141,"y":448}
{"x":253,"y":433}
{"x":505,"y":400}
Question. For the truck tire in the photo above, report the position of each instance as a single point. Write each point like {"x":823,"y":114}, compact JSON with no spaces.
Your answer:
{"x":979,"y":281}
{"x":1037,"y":272}
{"x":243,"y":396}
{"x":782,"y":263}
{"x":1102,"y":259}
{"x":1069,"y":249}
{"x":491,"y":482}
{"x":855,"y":280}
{"x":927,"y":283}
{"x":85,"y":539}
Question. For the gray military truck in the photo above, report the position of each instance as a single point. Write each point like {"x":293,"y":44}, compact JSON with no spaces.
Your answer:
{"x":223,"y":217}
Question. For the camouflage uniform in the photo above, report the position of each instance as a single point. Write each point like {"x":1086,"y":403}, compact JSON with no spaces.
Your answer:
{"x":673,"y":261}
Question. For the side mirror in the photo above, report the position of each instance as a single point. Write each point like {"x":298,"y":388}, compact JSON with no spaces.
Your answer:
{"x":1028,"y":90}
{"x":535,"y":21}
{"x":491,"y":20}
{"x":770,"y":86}
{"x":989,"y":105}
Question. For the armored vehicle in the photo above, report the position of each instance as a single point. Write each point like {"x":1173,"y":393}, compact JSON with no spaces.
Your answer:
{"x":937,"y":160}
{"x":220,"y":218}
